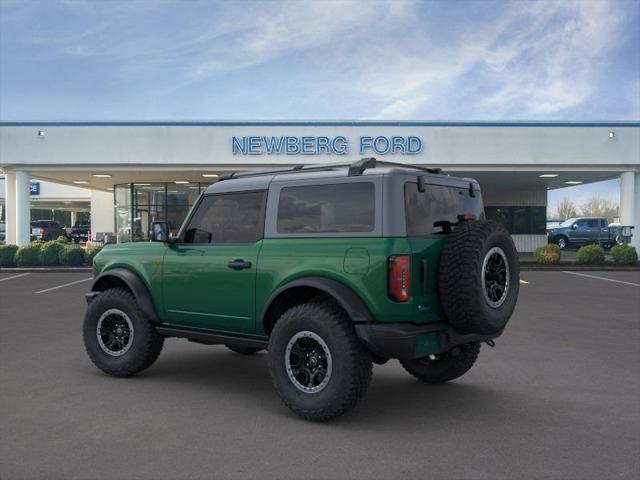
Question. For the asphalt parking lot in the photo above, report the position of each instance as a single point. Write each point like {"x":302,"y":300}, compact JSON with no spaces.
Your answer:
{"x":557,"y":398}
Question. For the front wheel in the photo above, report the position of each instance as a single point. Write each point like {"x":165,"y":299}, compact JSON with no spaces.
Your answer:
{"x":445,"y":367}
{"x":118,"y":337}
{"x":562,"y":243}
{"x":318,"y":367}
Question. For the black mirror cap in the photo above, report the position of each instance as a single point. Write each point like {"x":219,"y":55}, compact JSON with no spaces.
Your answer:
{"x":160,"y":232}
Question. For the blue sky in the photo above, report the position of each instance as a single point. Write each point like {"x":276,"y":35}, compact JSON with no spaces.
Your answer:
{"x":481,"y":59}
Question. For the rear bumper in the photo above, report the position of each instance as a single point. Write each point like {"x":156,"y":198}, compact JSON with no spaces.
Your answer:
{"x":406,"y":340}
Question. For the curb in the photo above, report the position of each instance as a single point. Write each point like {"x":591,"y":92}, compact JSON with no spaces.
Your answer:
{"x":46,"y":270}
{"x":578,"y":268}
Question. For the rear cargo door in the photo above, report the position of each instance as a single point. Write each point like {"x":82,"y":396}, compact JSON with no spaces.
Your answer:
{"x":429,"y":216}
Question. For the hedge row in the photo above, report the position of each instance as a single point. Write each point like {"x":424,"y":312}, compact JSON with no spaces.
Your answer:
{"x":624,"y":255}
{"x":56,"y":252}
{"x":547,"y":254}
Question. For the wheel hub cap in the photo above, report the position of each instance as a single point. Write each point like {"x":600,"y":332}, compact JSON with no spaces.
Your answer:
{"x":114,"y":332}
{"x":308,"y":362}
{"x":495,"y":277}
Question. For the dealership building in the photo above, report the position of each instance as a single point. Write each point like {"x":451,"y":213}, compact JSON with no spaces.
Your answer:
{"x":128,"y":174}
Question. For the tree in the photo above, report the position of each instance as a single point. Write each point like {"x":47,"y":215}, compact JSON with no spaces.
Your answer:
{"x":596,"y":206}
{"x":566,"y":209}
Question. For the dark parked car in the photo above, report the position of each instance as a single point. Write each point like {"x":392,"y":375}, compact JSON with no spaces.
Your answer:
{"x":580,"y":231}
{"x":80,"y":232}
{"x":46,"y":230}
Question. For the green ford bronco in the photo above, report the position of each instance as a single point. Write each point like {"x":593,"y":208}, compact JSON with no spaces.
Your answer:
{"x":329,"y":268}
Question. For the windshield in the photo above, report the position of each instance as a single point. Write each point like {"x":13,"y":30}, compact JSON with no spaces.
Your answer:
{"x":568,"y":222}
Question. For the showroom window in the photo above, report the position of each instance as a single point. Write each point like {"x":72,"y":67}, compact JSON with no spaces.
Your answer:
{"x":138,"y":205}
{"x":520,"y":220}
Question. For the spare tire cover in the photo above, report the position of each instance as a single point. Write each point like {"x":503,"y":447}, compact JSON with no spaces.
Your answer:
{"x":479,"y":277}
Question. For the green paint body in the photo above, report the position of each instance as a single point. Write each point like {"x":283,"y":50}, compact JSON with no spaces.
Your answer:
{"x":191,"y":285}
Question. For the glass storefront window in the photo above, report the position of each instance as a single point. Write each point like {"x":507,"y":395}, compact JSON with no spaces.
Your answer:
{"x":138,"y":205}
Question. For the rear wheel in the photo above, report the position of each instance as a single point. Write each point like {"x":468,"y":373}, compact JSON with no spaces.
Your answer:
{"x":318,"y":367}
{"x":445,"y":367}
{"x":118,"y":337}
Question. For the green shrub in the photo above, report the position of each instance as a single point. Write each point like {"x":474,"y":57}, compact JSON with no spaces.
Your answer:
{"x":29,"y":255}
{"x":90,"y":253}
{"x":50,"y":253}
{"x":624,"y":255}
{"x":71,"y":255}
{"x":590,"y":254}
{"x":547,"y":254}
{"x":62,"y":239}
{"x":8,"y":255}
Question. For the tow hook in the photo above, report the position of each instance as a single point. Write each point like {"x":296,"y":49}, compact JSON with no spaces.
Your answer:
{"x":491,"y":343}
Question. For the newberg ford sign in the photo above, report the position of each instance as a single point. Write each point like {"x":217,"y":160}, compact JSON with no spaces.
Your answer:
{"x":318,"y":145}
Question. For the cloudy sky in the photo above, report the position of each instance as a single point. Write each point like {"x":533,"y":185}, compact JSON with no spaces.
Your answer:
{"x":457,"y":60}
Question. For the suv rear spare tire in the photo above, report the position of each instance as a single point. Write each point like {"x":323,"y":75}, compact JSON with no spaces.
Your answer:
{"x":479,"y":277}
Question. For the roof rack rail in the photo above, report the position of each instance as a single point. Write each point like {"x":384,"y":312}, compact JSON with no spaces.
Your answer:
{"x":294,"y":169}
{"x":358,"y":168}
{"x":354,"y":169}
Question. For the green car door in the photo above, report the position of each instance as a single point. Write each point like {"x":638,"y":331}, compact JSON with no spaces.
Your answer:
{"x":209,"y":274}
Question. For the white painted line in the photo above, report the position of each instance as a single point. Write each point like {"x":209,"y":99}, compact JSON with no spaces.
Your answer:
{"x":603,"y":278}
{"x":65,"y":285}
{"x":14,"y":276}
{"x":524,"y":282}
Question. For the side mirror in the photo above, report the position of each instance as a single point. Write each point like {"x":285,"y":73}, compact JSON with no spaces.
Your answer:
{"x":160,"y":232}
{"x":574,"y":226}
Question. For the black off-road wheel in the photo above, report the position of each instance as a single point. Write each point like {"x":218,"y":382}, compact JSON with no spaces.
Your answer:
{"x":243,"y":350}
{"x":118,"y":337}
{"x":445,"y":367}
{"x":318,"y":367}
{"x":479,"y":277}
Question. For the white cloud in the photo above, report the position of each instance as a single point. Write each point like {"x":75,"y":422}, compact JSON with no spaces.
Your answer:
{"x":391,"y":58}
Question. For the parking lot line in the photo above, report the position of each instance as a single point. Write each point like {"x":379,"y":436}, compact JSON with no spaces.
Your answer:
{"x":12,"y":277}
{"x":602,"y":278}
{"x":64,"y":285}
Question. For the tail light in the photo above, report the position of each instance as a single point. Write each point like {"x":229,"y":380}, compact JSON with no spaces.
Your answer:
{"x":41,"y":230}
{"x":399,"y":278}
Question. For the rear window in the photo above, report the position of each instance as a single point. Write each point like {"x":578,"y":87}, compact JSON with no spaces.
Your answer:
{"x":424,"y":210}
{"x":343,"y":207}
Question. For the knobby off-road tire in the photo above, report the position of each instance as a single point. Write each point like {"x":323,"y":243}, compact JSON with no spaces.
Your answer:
{"x":243,"y":350}
{"x":118,"y":337}
{"x":444,"y":368}
{"x":479,"y":277}
{"x":321,"y":331}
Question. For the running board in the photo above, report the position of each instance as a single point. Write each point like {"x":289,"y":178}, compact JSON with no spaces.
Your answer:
{"x":209,"y":338}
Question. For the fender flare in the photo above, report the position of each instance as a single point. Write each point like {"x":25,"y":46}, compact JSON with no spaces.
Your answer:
{"x":345,"y":296}
{"x":135,"y":284}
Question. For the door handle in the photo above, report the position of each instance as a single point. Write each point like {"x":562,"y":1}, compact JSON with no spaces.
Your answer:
{"x":238,"y":265}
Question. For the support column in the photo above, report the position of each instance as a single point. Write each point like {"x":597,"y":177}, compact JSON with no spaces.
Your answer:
{"x":73,"y":218}
{"x":22,"y":208}
{"x":10,"y":206}
{"x":629,"y":204}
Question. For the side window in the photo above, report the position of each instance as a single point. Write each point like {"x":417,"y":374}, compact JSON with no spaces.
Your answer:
{"x":581,"y":223}
{"x":227,"y":218}
{"x":342,"y":207}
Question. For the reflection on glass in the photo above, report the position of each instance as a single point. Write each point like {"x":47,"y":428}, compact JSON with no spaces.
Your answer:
{"x":138,"y":205}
